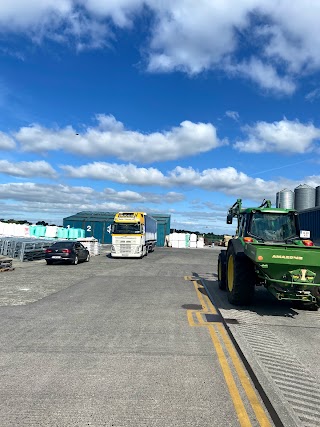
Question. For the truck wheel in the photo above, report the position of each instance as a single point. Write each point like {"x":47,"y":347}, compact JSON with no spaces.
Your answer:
{"x":240,"y":278}
{"x":222,"y":260}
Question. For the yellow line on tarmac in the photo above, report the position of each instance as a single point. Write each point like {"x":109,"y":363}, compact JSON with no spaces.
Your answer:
{"x":252,"y":396}
{"x":204,"y":300}
{"x":190,"y":317}
{"x":209,"y":308}
{"x":200,"y":319}
{"x":233,"y":390}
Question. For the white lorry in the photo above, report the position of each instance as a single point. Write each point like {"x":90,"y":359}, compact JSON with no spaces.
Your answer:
{"x":134,"y":234}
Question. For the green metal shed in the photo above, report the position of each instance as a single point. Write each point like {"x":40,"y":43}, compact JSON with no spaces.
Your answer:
{"x":98,"y":225}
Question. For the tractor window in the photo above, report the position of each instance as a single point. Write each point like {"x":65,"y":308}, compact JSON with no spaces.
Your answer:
{"x":242,"y":225}
{"x":273,"y":227}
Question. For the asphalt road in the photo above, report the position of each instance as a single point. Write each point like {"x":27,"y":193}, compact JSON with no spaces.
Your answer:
{"x":118,"y":342}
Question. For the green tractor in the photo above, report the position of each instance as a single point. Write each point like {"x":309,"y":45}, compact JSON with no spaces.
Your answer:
{"x":269,"y":249}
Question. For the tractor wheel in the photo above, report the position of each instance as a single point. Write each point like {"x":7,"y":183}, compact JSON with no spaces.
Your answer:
{"x":240,"y":278}
{"x":222,"y":259}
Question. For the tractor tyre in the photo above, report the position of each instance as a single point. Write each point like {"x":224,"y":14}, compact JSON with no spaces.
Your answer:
{"x":240,"y":278}
{"x":222,"y":262}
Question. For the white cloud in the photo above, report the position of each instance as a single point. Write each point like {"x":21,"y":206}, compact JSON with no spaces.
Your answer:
{"x":6,"y":143}
{"x":265,"y":75}
{"x":124,"y":174}
{"x":120,"y":11}
{"x":84,"y":23}
{"x":27,"y":169}
{"x":284,"y":136}
{"x":313,"y":95}
{"x":143,"y":198}
{"x":110,"y":138}
{"x":45,"y":193}
{"x":44,"y":201}
{"x":227,"y":181}
{"x":234,"y":115}
{"x":22,"y":14}
{"x":186,"y":35}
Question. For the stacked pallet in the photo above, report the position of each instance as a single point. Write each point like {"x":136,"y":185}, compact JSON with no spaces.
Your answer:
{"x":5,"y":264}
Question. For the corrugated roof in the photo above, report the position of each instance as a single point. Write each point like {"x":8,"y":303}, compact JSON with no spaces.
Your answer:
{"x":101,"y":216}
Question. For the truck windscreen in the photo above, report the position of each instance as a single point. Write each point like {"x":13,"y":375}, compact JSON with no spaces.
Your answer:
{"x":126,"y":228}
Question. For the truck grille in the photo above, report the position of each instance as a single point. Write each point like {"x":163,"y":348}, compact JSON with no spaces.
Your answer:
{"x":125,"y":248}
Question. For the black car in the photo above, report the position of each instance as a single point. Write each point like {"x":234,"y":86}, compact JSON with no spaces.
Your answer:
{"x":67,"y":251}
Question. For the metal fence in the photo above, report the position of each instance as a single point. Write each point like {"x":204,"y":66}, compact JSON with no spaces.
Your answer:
{"x":24,"y":249}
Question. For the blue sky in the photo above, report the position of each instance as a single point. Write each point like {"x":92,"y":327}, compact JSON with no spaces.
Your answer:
{"x":170,"y":106}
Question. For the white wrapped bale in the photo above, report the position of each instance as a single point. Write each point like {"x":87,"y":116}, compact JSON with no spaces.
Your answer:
{"x":51,"y":231}
{"x":200,"y":242}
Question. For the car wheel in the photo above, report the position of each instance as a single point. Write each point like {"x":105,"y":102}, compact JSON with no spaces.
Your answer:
{"x":76,"y":260}
{"x":88,"y":258}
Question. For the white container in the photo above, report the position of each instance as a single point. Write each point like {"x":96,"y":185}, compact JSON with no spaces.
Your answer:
{"x":193,"y":245}
{"x":9,"y":229}
{"x":51,"y":231}
{"x":193,"y":237}
{"x":96,"y":248}
{"x":174,"y":240}
{"x":182,"y":237}
{"x":91,"y":244}
{"x":19,"y":230}
{"x":26,"y":230}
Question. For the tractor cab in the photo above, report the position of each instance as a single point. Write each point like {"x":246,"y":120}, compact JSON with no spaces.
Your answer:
{"x":271,"y":226}
{"x":264,"y":223}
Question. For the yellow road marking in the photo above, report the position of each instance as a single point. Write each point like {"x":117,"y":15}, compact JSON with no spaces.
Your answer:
{"x":200,"y":318}
{"x":208,"y":308}
{"x":190,"y":317}
{"x":252,"y":396}
{"x":204,"y":300}
{"x":233,"y":390}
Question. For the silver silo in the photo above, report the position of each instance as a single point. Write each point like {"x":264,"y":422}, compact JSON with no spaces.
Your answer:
{"x":286,"y":199}
{"x":304,"y":197}
{"x":318,"y":195}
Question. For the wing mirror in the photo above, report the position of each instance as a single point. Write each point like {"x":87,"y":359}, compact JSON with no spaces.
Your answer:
{"x":229,"y":219}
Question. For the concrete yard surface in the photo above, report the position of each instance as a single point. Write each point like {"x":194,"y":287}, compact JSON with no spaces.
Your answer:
{"x":123,"y":342}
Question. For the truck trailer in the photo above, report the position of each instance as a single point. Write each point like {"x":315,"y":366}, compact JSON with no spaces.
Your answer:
{"x":134,"y":234}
